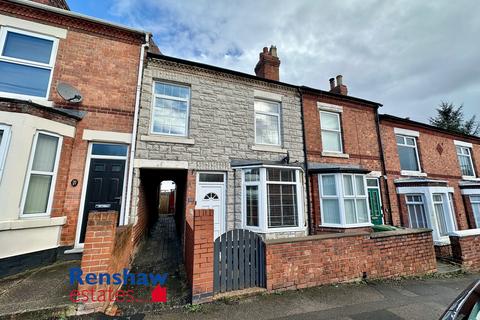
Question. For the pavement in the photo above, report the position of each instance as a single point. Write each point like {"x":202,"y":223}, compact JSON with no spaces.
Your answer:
{"x":37,"y":293}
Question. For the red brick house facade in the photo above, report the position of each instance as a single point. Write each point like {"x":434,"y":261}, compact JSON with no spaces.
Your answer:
{"x":433,"y":176}
{"x":342,"y":146}
{"x":50,"y":145}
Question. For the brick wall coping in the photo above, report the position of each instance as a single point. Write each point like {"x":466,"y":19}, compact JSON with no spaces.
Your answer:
{"x":318,"y":237}
{"x":465,"y":233}
{"x":373,"y":235}
{"x":400,"y":232}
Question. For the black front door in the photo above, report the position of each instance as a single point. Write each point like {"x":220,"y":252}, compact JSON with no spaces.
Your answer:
{"x":104,"y":189}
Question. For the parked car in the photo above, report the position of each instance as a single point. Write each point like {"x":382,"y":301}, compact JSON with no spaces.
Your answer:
{"x":466,"y":306}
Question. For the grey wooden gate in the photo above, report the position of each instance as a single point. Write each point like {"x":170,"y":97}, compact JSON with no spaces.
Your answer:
{"x":239,"y":261}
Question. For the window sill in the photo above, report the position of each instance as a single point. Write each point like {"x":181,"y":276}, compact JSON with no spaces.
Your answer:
{"x":470,"y":178}
{"x":412,"y":173}
{"x":275,"y":230}
{"x":335,"y":155}
{"x":346,"y":226}
{"x":169,"y":139}
{"x":267,"y":148}
{"x":442,"y":242}
{"x":32,"y":223}
{"x":37,"y":100}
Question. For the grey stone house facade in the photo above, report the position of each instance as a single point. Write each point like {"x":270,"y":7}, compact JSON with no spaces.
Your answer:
{"x":228,"y":140}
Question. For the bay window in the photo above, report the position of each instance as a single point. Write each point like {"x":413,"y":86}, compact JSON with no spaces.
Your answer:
{"x":26,"y":62}
{"x":41,"y":175}
{"x":344,"y":200}
{"x":272,"y":199}
{"x":267,"y":122}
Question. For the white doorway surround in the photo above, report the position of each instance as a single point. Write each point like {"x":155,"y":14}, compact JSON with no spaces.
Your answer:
{"x":210,"y":194}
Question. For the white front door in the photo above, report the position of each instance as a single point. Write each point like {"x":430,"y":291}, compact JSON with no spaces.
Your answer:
{"x":212,"y":196}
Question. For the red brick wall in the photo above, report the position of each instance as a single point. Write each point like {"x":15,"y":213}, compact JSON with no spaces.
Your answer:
{"x":466,"y":250}
{"x":322,"y":259}
{"x":102,"y":62}
{"x":107,"y":249}
{"x":438,"y":159}
{"x":199,"y":255}
{"x":360,"y":142}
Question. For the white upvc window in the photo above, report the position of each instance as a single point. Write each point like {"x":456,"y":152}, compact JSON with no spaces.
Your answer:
{"x":41,"y":175}
{"x":267,"y":123}
{"x":475,"y":201}
{"x":465,"y":159}
{"x":408,"y":153}
{"x":26,"y":63}
{"x":343,"y":200}
{"x":170,"y":109}
{"x":272,"y":199}
{"x":331,"y":132}
{"x":416,"y":211}
{"x":4,"y":141}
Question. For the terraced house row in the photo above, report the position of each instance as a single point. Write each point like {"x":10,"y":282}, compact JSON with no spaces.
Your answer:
{"x":93,"y":118}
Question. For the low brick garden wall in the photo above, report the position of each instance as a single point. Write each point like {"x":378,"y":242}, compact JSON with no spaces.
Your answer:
{"x":324,"y":259}
{"x":107,"y":249}
{"x":466,"y":248}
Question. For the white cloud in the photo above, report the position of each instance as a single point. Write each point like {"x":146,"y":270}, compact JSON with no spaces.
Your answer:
{"x":408,"y":55}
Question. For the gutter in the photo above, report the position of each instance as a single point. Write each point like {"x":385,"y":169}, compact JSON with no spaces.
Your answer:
{"x":75,"y":15}
{"x":133,"y":143}
{"x":382,"y":161}
{"x":307,"y":177}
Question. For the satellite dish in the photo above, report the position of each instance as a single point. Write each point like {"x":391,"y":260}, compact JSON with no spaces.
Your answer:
{"x":69,"y":93}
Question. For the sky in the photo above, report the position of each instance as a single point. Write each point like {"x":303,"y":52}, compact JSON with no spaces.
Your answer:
{"x":408,"y":55}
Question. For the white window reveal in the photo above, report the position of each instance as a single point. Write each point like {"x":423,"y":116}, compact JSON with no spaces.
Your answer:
{"x":331,"y":132}
{"x":475,"y":201}
{"x":171,"y":103}
{"x":344,"y":200}
{"x":267,"y":122}
{"x":416,"y":211}
{"x":465,"y":159}
{"x":26,"y":63}
{"x":272,"y":199}
{"x":408,"y":153}
{"x":40,"y":183}
{"x":4,"y":140}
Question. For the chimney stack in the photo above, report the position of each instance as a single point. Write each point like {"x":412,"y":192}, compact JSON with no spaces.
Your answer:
{"x":340,"y":88}
{"x":268,"y":65}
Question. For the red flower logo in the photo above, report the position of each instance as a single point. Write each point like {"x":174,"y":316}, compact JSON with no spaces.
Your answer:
{"x":159,"y":294}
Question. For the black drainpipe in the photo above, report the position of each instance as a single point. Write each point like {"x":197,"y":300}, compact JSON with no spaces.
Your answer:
{"x":382,"y":160}
{"x":307,"y":178}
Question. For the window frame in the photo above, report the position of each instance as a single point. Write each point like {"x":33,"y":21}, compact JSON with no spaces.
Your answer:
{"x":422,"y":202}
{"x":48,"y":66}
{"x":263,"y":200}
{"x":279,"y":121}
{"x":4,"y":144}
{"x":470,"y":158}
{"x":53,"y":174}
{"x":341,"y":197}
{"x":417,"y":155}
{"x":476,"y":216}
{"x":162,"y":96}
{"x":339,"y":131}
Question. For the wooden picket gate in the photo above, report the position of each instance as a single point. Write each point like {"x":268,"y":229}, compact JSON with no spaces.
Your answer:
{"x":239,"y":261}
